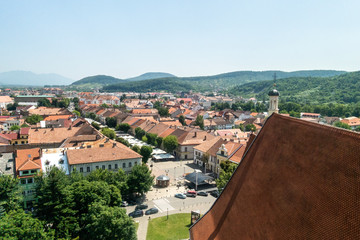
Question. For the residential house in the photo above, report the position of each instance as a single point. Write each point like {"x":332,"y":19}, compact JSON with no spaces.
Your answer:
{"x":353,"y":122}
{"x":111,"y":157}
{"x":5,"y":100}
{"x":28,"y":165}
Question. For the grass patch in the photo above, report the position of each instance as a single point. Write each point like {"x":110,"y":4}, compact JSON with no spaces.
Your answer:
{"x":176,"y":227}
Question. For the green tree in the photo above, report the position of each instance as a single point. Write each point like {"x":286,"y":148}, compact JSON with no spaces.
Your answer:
{"x":163,"y":111}
{"x":77,"y":113}
{"x":151,"y":138}
{"x":135,"y":148}
{"x":250,"y":127}
{"x":17,"y":224}
{"x":145,"y":151}
{"x":199,"y":122}
{"x":144,"y":139}
{"x":12,"y":106}
{"x":44,"y":102}
{"x":108,"y":132}
{"x":123,"y":141}
{"x":14,"y":128}
{"x":109,"y":223}
{"x":111,"y":122}
{"x":95,"y":125}
{"x":115,"y":178}
{"x":139,"y":133}
{"x":104,"y":105}
{"x":91,"y":115}
{"x":24,"y":125}
{"x":33,"y":119}
{"x":54,"y":203}
{"x":226,"y":171}
{"x":140,"y":179}
{"x":182,"y":120}
{"x":159,"y":141}
{"x":170,"y":143}
{"x":123,"y":127}
{"x":10,"y":192}
{"x":342,"y":125}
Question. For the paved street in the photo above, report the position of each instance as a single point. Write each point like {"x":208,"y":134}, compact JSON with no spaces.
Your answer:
{"x":163,"y":198}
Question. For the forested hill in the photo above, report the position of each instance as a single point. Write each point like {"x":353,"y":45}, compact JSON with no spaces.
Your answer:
{"x":344,"y":88}
{"x":150,"y":75}
{"x":98,"y":79}
{"x":152,"y":85}
{"x":221,"y":81}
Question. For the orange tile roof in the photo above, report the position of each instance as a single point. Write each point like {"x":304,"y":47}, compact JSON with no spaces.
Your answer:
{"x":58,"y":135}
{"x":297,"y":180}
{"x":56,"y":117}
{"x":101,"y":154}
{"x":167,"y":132}
{"x":28,"y":159}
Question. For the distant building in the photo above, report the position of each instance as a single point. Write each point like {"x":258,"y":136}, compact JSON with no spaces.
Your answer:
{"x":273,"y":101}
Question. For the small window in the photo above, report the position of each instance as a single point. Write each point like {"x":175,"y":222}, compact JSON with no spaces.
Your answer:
{"x":222,"y":152}
{"x":81,"y":169}
{"x":124,"y":165}
{"x":109,"y":167}
{"x":135,"y":163}
{"x":22,"y":142}
{"x":33,"y":171}
{"x":185,"y":156}
{"x":103,"y":167}
{"x":26,"y":172}
{"x":130,"y":165}
{"x":88,"y":169}
{"x":23,"y":181}
{"x":97,"y":167}
{"x":185,"y":149}
{"x":30,"y":180}
{"x":116,"y":166}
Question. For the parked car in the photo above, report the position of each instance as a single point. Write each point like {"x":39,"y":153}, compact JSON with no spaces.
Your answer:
{"x":136,"y":213}
{"x":180,"y":195}
{"x":141,"y":206}
{"x":215,"y":193}
{"x":131,"y":203}
{"x":205,"y":194}
{"x":124,"y":204}
{"x":191,"y":193}
{"x":152,"y":211}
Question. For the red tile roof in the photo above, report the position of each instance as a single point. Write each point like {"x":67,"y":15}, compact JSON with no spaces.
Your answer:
{"x":298,"y":180}
{"x":27,"y":159}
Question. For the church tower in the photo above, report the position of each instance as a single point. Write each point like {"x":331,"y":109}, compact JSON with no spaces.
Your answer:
{"x":273,"y":101}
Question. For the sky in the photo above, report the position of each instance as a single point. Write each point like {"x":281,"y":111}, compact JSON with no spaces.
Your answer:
{"x":186,"y":38}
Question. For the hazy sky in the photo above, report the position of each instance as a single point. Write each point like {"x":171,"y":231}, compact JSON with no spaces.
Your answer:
{"x":185,"y":38}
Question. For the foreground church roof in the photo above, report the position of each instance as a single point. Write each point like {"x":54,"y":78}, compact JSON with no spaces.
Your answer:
{"x":297,"y":180}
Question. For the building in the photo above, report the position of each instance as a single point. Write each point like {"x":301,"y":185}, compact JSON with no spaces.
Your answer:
{"x":111,"y":156}
{"x":273,"y":101}
{"x":297,"y":180}
{"x":5,"y":100}
{"x":353,"y":122}
{"x":28,"y":165}
{"x":30,"y":100}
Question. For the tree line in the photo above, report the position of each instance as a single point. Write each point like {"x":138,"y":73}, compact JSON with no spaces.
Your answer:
{"x":73,"y":206}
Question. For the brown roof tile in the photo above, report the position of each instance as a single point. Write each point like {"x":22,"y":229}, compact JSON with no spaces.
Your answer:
{"x":101,"y":154}
{"x":298,"y":180}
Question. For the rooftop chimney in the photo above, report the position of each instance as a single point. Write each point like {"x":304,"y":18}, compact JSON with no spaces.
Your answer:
{"x":205,"y":138}
{"x":114,"y":145}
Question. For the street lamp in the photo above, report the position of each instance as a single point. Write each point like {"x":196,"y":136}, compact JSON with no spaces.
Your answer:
{"x":174,"y":175}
